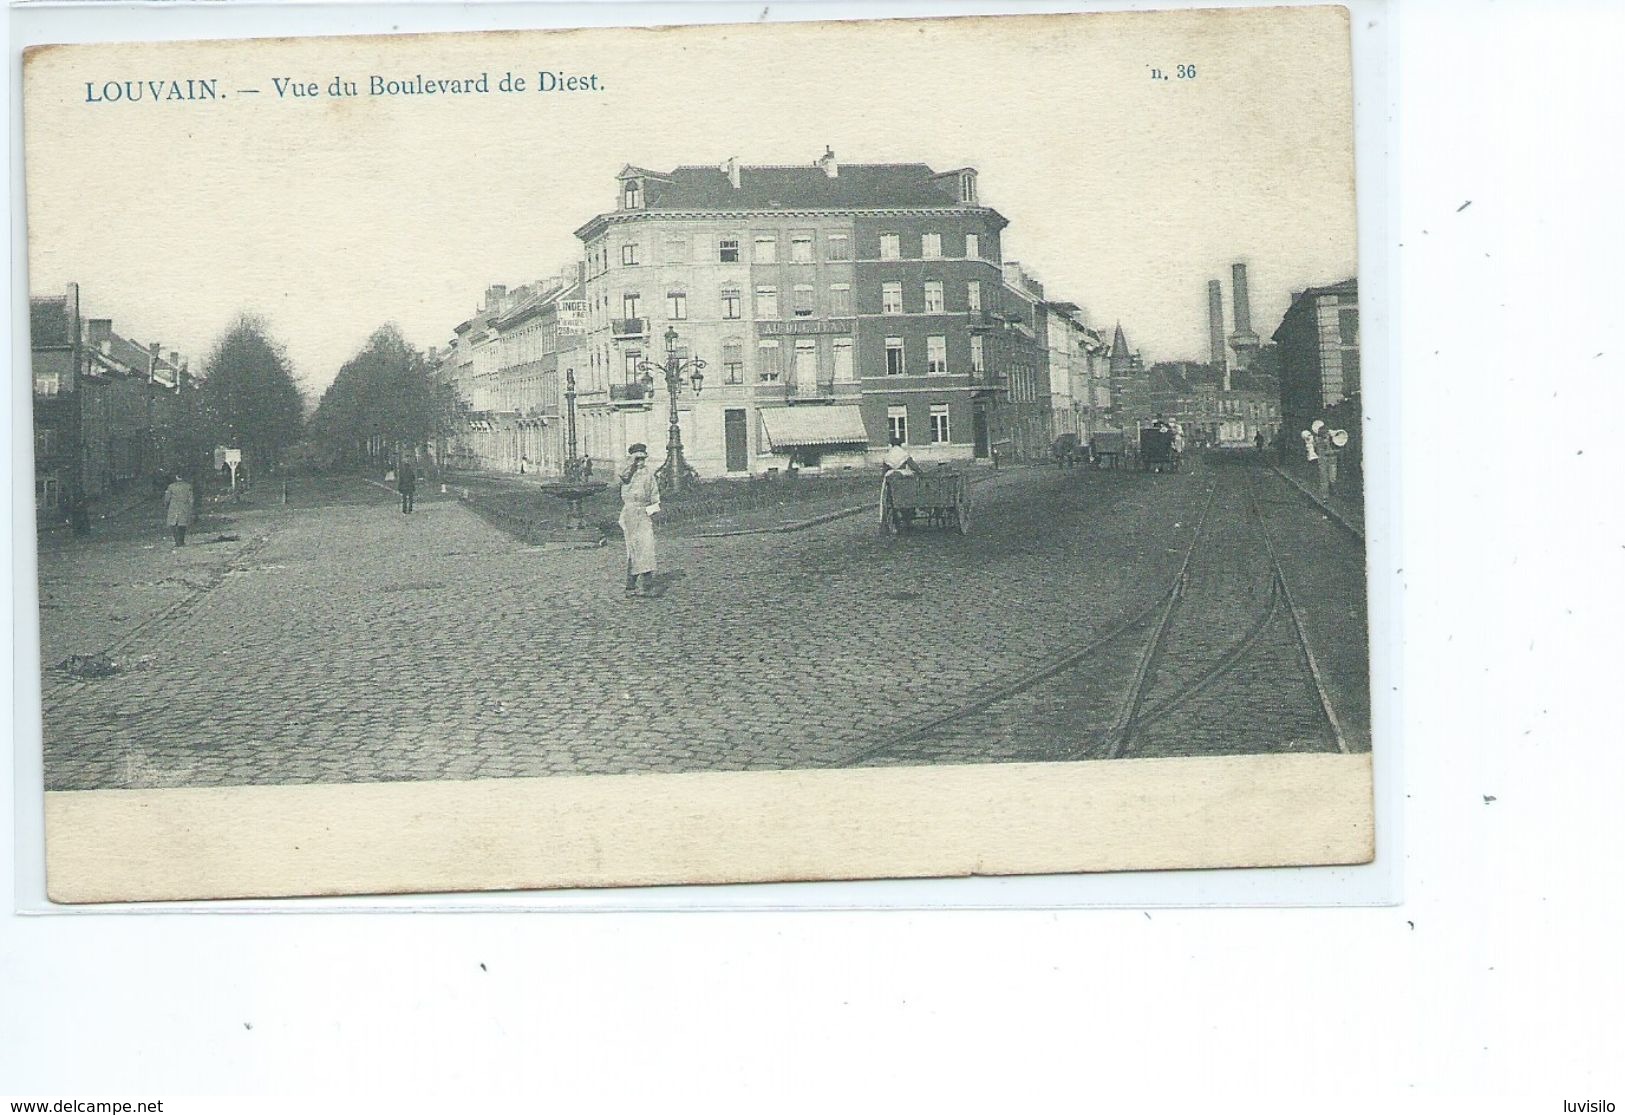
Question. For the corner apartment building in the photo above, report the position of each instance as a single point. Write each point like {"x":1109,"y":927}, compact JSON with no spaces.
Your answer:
{"x":834,"y":306}
{"x":108,"y":413}
{"x":1319,"y":346}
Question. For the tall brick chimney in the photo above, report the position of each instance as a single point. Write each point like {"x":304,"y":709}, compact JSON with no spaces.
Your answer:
{"x":732,"y":167}
{"x":1244,"y":341}
{"x":99,"y":332}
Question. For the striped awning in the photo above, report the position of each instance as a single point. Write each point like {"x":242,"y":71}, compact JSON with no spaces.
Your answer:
{"x":792,"y":427}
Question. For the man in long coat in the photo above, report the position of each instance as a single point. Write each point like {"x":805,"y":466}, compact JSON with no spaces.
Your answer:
{"x":178,"y":509}
{"x":406,"y":482}
{"x":640,"y":499}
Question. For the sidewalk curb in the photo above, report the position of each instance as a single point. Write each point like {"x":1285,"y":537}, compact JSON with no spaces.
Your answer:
{"x":817,"y":520}
{"x":1331,"y":512}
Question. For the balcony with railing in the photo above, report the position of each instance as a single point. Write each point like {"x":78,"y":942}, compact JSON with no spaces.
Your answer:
{"x":631,"y":395}
{"x":629,"y":328}
{"x":809,"y":389}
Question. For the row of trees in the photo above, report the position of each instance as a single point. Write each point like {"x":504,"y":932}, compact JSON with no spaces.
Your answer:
{"x":384,"y":401}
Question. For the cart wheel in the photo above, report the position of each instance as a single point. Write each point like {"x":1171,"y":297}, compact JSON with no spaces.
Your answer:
{"x":888,"y":524}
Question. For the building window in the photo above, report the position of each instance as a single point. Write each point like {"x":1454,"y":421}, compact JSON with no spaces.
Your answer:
{"x":933,"y":297}
{"x":967,"y":187}
{"x":840,"y":300}
{"x":633,"y":357}
{"x":891,"y":298}
{"x":843,"y":359}
{"x":931,"y":246}
{"x":939,"y":424}
{"x":894,"y":356}
{"x":897,"y":424}
{"x":629,"y":255}
{"x":973,"y":295}
{"x":838,"y":246}
{"x":767,"y":303}
{"x":47,"y":493}
{"x":804,"y":303}
{"x":973,"y":246}
{"x":806,"y":362}
{"x":801,"y":247}
{"x":731,"y":305}
{"x":767,"y":249}
{"x":728,"y":249}
{"x":633,"y":195}
{"x":676,"y":305}
{"x":733,"y":361}
{"x":1348,"y":327}
{"x":936,"y":355}
{"x":767,"y":361}
{"x":44,"y":442}
{"x":891,"y":246}
{"x":629,"y":306}
{"x":976,"y":363}
{"x":47,"y":383}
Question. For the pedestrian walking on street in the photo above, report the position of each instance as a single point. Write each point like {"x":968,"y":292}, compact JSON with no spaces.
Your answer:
{"x":1324,"y":453}
{"x":406,"y":482}
{"x":178,"y":508}
{"x":1258,"y":442}
{"x":640,"y":499}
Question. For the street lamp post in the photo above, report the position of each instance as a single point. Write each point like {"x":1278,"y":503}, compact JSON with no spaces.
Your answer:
{"x":572,"y":466}
{"x":676,"y":471}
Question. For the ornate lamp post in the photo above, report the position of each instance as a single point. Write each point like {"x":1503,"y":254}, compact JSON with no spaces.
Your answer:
{"x":676,"y":471}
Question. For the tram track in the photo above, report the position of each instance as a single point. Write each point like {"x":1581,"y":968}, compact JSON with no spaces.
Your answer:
{"x":1213,"y":644}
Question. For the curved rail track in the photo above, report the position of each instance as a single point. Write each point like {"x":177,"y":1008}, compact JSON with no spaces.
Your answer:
{"x":1223,"y":642}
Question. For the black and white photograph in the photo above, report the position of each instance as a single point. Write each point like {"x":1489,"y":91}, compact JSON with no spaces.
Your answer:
{"x":699,"y":454}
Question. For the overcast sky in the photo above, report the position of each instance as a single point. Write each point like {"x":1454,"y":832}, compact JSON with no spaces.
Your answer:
{"x":332,"y":216}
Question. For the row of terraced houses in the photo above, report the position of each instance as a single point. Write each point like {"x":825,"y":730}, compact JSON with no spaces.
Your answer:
{"x":835,"y":307}
{"x":110,"y":414}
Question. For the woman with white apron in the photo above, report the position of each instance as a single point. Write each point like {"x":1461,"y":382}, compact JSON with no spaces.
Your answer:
{"x":640,"y":499}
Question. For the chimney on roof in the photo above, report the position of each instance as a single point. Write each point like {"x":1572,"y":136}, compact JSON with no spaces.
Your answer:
{"x":98,"y":331}
{"x":494,"y":294}
{"x":827,"y":163}
{"x":731,"y":168}
{"x":174,"y":359}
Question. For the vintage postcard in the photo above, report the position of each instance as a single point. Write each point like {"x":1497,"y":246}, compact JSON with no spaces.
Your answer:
{"x":705,"y":454}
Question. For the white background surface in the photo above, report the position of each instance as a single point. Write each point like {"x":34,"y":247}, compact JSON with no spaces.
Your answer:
{"x":1500,"y":974}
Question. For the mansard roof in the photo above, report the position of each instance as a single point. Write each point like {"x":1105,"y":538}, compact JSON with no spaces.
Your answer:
{"x":48,"y":324}
{"x":855,"y":186}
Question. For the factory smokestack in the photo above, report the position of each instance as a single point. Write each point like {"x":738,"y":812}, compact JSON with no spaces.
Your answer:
{"x":1238,"y":284}
{"x":1243,"y":340}
{"x":1215,"y":329}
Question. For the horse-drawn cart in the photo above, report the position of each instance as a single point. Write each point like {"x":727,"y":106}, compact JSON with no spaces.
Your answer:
{"x":940,"y":497}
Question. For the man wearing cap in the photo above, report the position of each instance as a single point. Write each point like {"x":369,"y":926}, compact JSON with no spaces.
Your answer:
{"x":640,"y":499}
{"x":1325,"y":456}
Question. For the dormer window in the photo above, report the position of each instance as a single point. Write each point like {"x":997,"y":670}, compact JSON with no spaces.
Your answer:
{"x":632,"y":196}
{"x":967,"y":187}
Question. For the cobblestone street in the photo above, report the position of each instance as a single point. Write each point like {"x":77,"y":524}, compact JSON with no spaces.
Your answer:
{"x":347,"y":642}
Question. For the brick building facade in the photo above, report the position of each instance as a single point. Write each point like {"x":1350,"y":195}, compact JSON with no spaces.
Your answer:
{"x":109,"y":414}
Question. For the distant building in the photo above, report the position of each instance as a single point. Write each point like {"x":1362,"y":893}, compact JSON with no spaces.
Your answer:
{"x":109,"y":414}
{"x":1029,"y":422}
{"x":835,"y":306}
{"x":1319,"y":359}
{"x":507,"y":364}
{"x":1080,"y":390}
